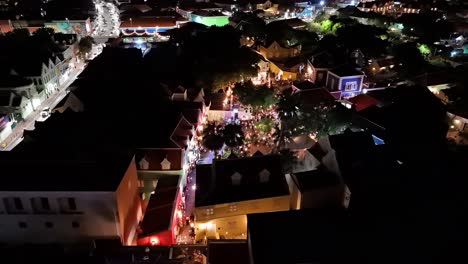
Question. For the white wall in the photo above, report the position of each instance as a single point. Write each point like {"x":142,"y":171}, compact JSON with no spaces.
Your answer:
{"x":96,"y":215}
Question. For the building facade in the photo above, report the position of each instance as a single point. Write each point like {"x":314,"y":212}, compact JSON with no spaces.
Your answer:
{"x":277,"y":52}
{"x":70,"y":216}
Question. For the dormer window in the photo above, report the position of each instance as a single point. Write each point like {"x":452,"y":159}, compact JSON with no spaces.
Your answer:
{"x":264,"y":176}
{"x":165,"y":164}
{"x":236,"y":179}
{"x":144,"y":164}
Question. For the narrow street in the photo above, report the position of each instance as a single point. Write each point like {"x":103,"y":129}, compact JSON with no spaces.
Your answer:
{"x":28,"y":123}
{"x":107,"y":24}
{"x":184,"y":236}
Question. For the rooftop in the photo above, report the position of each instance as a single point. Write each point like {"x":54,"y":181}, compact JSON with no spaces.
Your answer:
{"x":364,"y":101}
{"x":13,"y":81}
{"x":346,"y":70}
{"x":315,"y":96}
{"x":315,"y":179}
{"x":311,"y":236}
{"x":65,"y":148}
{"x":149,"y":22}
{"x":230,"y":251}
{"x":215,"y":186}
{"x":208,"y":13}
{"x":160,"y":210}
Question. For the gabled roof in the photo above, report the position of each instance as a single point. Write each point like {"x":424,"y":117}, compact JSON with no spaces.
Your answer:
{"x":214,"y":183}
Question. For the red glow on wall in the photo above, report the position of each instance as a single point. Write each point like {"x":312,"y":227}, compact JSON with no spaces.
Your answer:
{"x":154,"y":241}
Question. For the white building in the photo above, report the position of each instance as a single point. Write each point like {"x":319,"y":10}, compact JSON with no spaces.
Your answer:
{"x":67,"y":203}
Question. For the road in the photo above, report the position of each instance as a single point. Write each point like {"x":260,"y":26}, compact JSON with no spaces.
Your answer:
{"x":106,"y":23}
{"x":16,"y":135}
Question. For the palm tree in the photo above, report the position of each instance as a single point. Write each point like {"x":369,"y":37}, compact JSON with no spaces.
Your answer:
{"x":233,"y":135}
{"x":212,"y":138}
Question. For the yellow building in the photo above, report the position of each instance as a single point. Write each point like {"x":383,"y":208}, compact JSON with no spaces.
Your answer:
{"x":228,"y":190}
{"x":277,"y":52}
{"x":281,"y":72}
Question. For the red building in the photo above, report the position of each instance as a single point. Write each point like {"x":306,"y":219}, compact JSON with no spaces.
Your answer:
{"x":163,"y":216}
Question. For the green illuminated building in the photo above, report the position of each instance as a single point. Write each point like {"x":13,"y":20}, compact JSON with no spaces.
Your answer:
{"x":208,"y":18}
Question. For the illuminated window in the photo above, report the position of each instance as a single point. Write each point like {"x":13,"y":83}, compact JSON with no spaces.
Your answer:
{"x":165,"y":164}
{"x":233,"y":208}
{"x":141,"y":183}
{"x":144,"y":164}
{"x":209,"y":211}
{"x":350,"y":86}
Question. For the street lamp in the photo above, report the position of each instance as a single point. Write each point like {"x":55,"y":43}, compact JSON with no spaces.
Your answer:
{"x":68,"y":25}
{"x":131,"y":22}
{"x":322,"y":3}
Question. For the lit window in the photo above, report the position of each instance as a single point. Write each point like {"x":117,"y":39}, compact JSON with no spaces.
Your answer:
{"x":141,"y":183}
{"x":350,"y":86}
{"x":232,"y":208}
{"x":209,"y":211}
{"x":165,"y":164}
{"x":144,"y":164}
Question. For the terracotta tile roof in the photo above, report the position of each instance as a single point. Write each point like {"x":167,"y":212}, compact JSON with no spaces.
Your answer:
{"x":364,"y":101}
{"x":148,"y":22}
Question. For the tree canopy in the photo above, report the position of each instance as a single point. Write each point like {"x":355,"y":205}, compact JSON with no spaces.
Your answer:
{"x":256,"y":96}
{"x":210,"y":59}
{"x":427,"y":27}
{"x":86,"y":44}
{"x":409,"y":59}
{"x":233,"y":135}
{"x":363,"y":37}
{"x":212,"y":137}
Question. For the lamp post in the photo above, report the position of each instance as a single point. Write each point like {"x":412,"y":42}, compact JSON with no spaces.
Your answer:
{"x":131,"y":22}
